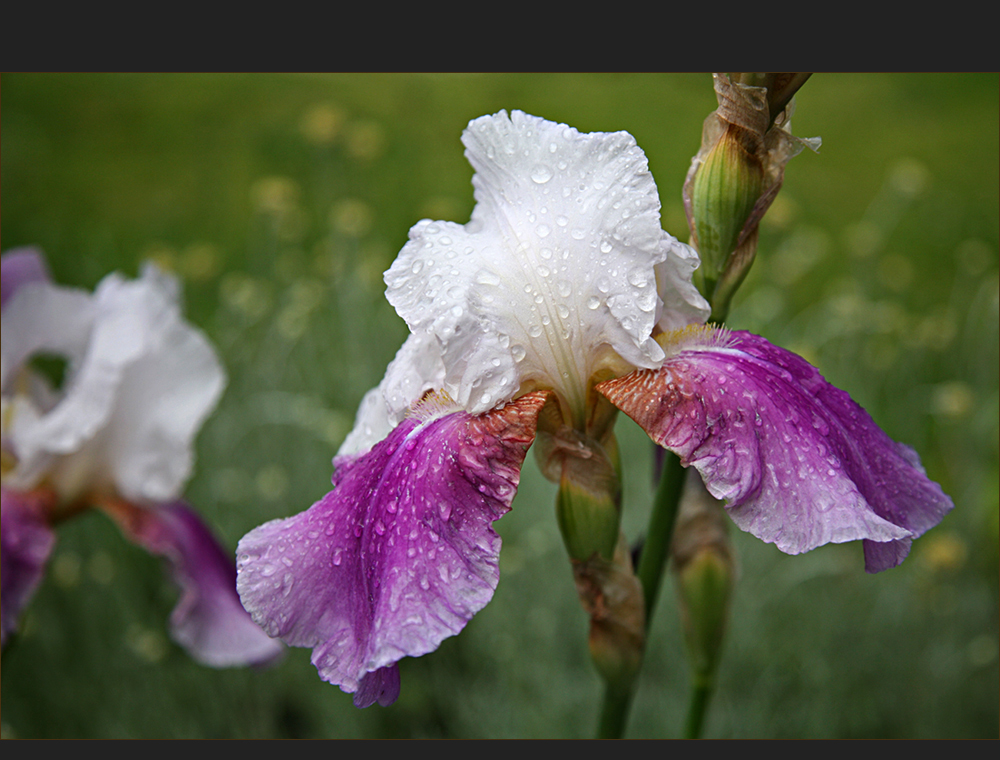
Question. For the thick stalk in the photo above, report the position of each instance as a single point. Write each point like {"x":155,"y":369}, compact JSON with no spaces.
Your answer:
{"x":652,"y":563}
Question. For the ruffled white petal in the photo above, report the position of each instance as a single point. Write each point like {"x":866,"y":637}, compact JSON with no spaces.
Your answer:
{"x":682,"y":304}
{"x":140,"y":382}
{"x":562,"y":268}
{"x":416,"y":369}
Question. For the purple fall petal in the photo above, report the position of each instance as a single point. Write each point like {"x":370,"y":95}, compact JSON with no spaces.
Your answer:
{"x":208,"y":621}
{"x":26,"y":544}
{"x":399,"y":555}
{"x":380,"y":686}
{"x":798,"y":461}
{"x":18,"y":267}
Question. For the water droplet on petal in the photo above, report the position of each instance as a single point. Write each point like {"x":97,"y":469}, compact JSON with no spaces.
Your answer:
{"x":638,"y":277}
{"x":487,"y":277}
{"x":541,"y":174}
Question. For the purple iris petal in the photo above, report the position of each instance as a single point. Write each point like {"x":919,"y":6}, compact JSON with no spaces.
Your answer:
{"x":798,"y":461}
{"x":26,"y":544}
{"x":399,"y":555}
{"x":380,"y":686}
{"x":209,"y":620}
{"x":18,"y":267}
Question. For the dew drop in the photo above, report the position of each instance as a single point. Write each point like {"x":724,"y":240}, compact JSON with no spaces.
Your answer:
{"x":593,"y":302}
{"x":487,"y":277}
{"x":543,"y":230}
{"x":518,"y":352}
{"x":541,"y":174}
{"x":638,"y":277}
{"x":646,"y":302}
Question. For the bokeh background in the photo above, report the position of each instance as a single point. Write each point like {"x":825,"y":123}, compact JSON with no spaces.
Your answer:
{"x":280,"y":200}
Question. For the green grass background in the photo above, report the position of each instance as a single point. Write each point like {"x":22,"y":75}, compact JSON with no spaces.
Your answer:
{"x":281,"y":199}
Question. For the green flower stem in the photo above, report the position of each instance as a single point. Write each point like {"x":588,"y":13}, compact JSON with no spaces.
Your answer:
{"x":614,"y":711}
{"x":652,"y":563}
{"x":701,"y":692}
{"x":653,"y":560}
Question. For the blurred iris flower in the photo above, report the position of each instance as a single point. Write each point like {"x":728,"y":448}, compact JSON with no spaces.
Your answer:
{"x":115,"y":433}
{"x":560,"y":295}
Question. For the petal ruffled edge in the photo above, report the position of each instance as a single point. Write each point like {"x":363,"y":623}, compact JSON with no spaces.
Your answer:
{"x":799,"y":462}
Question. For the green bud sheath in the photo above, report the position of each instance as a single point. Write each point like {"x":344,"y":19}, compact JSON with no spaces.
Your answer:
{"x":726,"y":188}
{"x":589,"y":502}
{"x":612,"y":596}
{"x":704,"y":587}
{"x":704,"y":575}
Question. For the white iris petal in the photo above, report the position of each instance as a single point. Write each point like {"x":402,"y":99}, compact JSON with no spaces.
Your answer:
{"x":416,"y":369}
{"x":140,"y":381}
{"x":562,"y":265}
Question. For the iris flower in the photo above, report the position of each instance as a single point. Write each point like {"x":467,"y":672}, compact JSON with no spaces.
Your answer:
{"x":560,"y":295}
{"x":116,"y":434}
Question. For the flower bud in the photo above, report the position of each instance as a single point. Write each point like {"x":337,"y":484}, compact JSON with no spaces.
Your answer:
{"x":736,"y":175}
{"x":588,"y":471}
{"x":704,"y":575}
{"x":612,"y":596}
{"x":726,"y":189}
